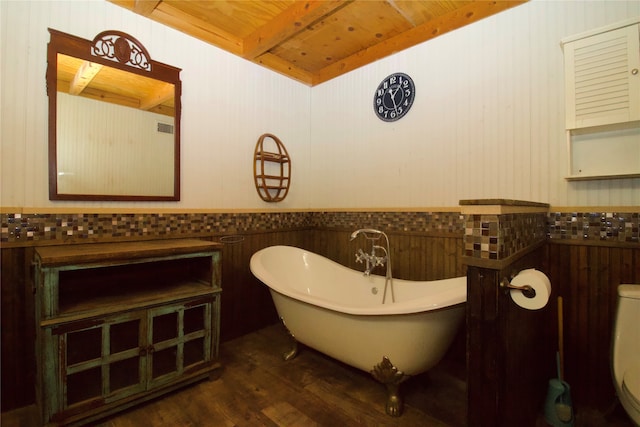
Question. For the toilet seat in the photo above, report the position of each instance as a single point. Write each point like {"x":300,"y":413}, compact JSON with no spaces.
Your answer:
{"x":631,"y":385}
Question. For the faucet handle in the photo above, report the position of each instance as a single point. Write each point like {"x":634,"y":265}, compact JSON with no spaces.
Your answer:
{"x":360,"y":256}
{"x":379,"y":260}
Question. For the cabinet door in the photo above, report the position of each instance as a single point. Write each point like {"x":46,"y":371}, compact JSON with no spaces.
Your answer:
{"x":601,"y":78}
{"x":180,"y":338}
{"x":100,"y":361}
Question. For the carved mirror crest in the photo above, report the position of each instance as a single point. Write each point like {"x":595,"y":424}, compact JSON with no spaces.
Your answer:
{"x":114,"y":120}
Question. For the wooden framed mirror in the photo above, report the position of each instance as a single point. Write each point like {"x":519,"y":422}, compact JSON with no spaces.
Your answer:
{"x":114,"y":120}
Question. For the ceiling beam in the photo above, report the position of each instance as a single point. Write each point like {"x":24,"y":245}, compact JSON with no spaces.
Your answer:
{"x":458,"y":18}
{"x":164,"y":93}
{"x":286,"y":68}
{"x":145,"y":7}
{"x":198,"y":28}
{"x":291,"y":21}
{"x":86,"y":72}
{"x":166,"y":14}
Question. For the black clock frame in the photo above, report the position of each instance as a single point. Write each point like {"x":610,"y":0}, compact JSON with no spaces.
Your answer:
{"x":394,"y":97}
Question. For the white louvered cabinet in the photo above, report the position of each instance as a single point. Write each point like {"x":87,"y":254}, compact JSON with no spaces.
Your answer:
{"x":602,"y":102}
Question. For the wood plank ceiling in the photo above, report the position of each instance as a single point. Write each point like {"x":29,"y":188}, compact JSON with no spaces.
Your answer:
{"x":315,"y":41}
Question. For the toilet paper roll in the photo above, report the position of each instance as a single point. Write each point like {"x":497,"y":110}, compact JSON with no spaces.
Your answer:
{"x":539,"y":282}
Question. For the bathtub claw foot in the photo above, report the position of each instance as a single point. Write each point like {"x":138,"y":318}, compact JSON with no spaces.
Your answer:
{"x":394,"y":403}
{"x":391,"y":377}
{"x":288,"y":355}
{"x":293,"y":352}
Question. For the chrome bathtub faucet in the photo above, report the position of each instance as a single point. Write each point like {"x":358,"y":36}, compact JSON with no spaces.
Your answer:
{"x":372,"y":260}
{"x":378,"y":260}
{"x":366,"y":258}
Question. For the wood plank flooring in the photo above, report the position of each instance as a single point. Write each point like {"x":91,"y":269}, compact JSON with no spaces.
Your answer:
{"x":258,"y":388}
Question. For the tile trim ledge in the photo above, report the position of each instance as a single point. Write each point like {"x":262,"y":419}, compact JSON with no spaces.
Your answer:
{"x":164,"y":210}
{"x":500,"y":206}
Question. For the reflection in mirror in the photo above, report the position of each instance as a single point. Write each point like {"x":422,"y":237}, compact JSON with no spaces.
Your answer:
{"x":114,"y":121}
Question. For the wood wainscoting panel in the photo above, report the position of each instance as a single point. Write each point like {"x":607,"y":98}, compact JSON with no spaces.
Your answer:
{"x":246,"y":302}
{"x":510,"y":356}
{"x":587,"y":278}
{"x":414,"y":256}
{"x":18,"y":328}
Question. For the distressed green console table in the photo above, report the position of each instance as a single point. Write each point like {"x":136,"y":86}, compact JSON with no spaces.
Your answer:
{"x":121,"y":323}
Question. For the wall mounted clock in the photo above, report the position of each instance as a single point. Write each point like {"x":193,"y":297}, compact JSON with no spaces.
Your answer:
{"x":394,"y":97}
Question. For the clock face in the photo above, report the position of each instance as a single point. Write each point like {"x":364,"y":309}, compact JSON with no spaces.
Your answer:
{"x":394,"y":97}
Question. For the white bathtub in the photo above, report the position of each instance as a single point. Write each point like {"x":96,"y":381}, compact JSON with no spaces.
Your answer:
{"x":338,"y":311}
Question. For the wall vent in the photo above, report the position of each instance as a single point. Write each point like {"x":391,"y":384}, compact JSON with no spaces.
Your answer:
{"x":165,"y":128}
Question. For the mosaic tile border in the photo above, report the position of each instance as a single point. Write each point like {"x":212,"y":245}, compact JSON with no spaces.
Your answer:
{"x":486,"y":236}
{"x":408,"y":222}
{"x":498,"y":237}
{"x":53,"y":227}
{"x":595,"y":226}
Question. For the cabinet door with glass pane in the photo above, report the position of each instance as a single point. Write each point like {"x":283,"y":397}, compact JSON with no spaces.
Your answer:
{"x":180,"y":339}
{"x":100,"y":361}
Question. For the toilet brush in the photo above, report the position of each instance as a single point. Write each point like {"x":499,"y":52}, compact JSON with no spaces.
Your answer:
{"x":564,"y":411}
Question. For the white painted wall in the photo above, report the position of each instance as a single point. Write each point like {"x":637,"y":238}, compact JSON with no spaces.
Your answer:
{"x":487,"y":122}
{"x":227,"y":103}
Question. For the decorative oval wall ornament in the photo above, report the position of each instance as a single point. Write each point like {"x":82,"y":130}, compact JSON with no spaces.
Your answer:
{"x":271,"y":168}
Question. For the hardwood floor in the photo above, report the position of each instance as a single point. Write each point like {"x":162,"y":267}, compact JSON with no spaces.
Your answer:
{"x":258,"y":388}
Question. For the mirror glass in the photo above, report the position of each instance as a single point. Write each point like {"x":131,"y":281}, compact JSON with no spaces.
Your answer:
{"x":114,"y":123}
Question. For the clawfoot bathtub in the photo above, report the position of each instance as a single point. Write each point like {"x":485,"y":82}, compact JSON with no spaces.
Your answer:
{"x":339,"y":312}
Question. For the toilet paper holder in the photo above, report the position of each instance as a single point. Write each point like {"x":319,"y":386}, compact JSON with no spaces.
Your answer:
{"x":527,"y":290}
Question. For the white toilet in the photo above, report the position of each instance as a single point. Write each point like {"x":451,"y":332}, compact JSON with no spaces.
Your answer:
{"x":625,"y":350}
